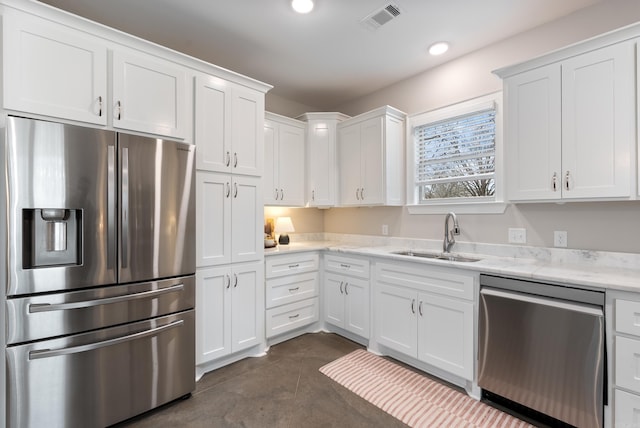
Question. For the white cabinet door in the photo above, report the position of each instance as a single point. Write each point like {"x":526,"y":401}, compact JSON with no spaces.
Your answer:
{"x":371,"y":165}
{"x":247,"y":132}
{"x":533,"y":128}
{"x":334,"y":300}
{"x":53,"y":70}
{"x":228,"y":219}
{"x":270,"y":177}
{"x":213,"y":314}
{"x":247,"y":308}
{"x":445,"y":334}
{"x":356,"y":318}
{"x":598,"y":122}
{"x":284,"y":161}
{"x":291,"y":165}
{"x":349,"y":155}
{"x":213,"y":218}
{"x":213,"y":124}
{"x":396,"y":324}
{"x":149,"y":94}
{"x":247,"y":234}
{"x":321,"y":167}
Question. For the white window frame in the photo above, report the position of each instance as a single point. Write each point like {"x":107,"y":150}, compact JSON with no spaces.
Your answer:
{"x":489,"y":205}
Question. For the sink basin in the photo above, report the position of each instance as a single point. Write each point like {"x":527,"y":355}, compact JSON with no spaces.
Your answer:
{"x":437,"y":256}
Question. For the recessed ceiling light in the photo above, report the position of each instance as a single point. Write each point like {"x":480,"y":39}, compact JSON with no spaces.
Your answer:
{"x":302,"y":6}
{"x":438,"y":48}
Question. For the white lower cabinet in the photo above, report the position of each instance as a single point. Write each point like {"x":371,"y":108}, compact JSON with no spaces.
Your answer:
{"x":346,"y":294}
{"x":427,"y":313}
{"x":229,"y":310}
{"x":626,"y":361}
{"x":291,"y":292}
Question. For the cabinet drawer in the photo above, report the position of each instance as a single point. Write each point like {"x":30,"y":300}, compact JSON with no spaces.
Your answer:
{"x":627,"y":409}
{"x":293,"y":288}
{"x":628,"y":317}
{"x":291,"y":264}
{"x":627,"y":363}
{"x":289,"y":317}
{"x":347,"y":265}
{"x":428,"y":278}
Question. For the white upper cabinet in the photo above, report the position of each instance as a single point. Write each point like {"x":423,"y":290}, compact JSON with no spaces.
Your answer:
{"x":371,"y":158}
{"x":321,"y":158}
{"x":53,"y":70}
{"x":284,"y":161}
{"x":571,"y":127}
{"x":149,"y":94}
{"x":228,"y":127}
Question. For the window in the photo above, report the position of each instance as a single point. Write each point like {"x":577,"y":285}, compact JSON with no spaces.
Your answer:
{"x":455,"y":154}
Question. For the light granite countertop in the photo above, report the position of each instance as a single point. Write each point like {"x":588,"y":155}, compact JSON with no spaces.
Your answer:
{"x":593,"y":269}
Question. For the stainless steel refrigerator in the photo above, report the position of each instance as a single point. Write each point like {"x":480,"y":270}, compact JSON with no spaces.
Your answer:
{"x":99,"y":268}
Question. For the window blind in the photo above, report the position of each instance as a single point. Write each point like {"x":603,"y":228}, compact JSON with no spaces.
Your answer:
{"x":456,"y":149}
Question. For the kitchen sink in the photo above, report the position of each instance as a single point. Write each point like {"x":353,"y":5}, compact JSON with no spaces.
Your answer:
{"x":437,"y":256}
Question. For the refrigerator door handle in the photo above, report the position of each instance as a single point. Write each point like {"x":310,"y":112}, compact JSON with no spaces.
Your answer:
{"x":48,"y":307}
{"x":47,"y":353}
{"x":111,"y":205}
{"x":125,"y":207}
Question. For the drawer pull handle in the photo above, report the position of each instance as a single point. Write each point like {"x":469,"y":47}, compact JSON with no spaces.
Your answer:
{"x":291,"y":290}
{"x":420,"y":308}
{"x":294,"y":316}
{"x":346,"y":288}
{"x":297,"y":265}
{"x":341,"y":283}
{"x":345,"y":266}
{"x":413,"y":306}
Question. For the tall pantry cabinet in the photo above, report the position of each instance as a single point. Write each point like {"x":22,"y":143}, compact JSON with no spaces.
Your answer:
{"x":229,"y":244}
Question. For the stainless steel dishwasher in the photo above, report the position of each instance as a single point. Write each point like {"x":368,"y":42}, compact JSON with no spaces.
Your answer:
{"x":542,"y":347}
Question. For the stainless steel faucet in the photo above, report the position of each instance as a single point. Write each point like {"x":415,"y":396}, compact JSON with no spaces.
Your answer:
{"x":449,"y":237}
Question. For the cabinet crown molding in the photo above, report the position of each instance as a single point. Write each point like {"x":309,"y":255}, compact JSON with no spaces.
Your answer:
{"x":606,"y":39}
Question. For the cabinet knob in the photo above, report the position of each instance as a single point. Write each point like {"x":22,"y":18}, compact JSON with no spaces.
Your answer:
{"x":281,"y":195}
{"x":313,"y":195}
{"x":235,"y":190}
{"x":228,"y":189}
{"x":357,"y":194}
{"x":235,"y":160}
{"x":235,"y":280}
{"x":228,"y":281}
{"x":362,"y":194}
{"x":119,"y":109}
{"x":554,"y":182}
{"x":100,"y":106}
{"x":228,"y":162}
{"x":275,"y":192}
{"x":567,"y":178}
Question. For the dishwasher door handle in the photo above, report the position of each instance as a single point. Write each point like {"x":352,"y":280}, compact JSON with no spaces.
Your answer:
{"x":555,"y":303}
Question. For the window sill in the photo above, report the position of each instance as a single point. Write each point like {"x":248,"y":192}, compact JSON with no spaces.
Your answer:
{"x":459,"y":208}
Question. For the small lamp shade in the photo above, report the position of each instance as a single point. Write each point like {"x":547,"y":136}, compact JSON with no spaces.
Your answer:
{"x":283,"y":227}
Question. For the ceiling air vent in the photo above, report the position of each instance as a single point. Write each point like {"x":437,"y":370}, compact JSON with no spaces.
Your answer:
{"x":380,"y":17}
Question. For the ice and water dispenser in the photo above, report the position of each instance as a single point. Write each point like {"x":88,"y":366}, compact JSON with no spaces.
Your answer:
{"x":51,"y":237}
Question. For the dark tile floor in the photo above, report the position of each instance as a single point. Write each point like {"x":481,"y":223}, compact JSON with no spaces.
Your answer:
{"x":284,"y":389}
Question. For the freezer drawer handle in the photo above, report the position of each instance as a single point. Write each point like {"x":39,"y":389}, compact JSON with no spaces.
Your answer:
{"x":47,"y":353}
{"x":48,"y":307}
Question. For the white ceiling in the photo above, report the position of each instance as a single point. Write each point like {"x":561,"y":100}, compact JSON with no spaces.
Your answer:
{"x":327,"y":57}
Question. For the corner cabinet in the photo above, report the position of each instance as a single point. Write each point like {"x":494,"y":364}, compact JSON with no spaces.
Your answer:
{"x":321,"y":158}
{"x":570,"y":126}
{"x":427,"y":313}
{"x":371,"y":158}
{"x":283,"y":161}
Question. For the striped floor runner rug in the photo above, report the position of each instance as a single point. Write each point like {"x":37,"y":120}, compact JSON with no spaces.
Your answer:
{"x":412,"y":398}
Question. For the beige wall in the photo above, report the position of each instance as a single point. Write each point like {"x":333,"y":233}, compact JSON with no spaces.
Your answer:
{"x":605,"y":226}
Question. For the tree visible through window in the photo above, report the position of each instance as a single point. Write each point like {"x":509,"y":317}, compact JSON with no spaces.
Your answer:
{"x":455,"y":157}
